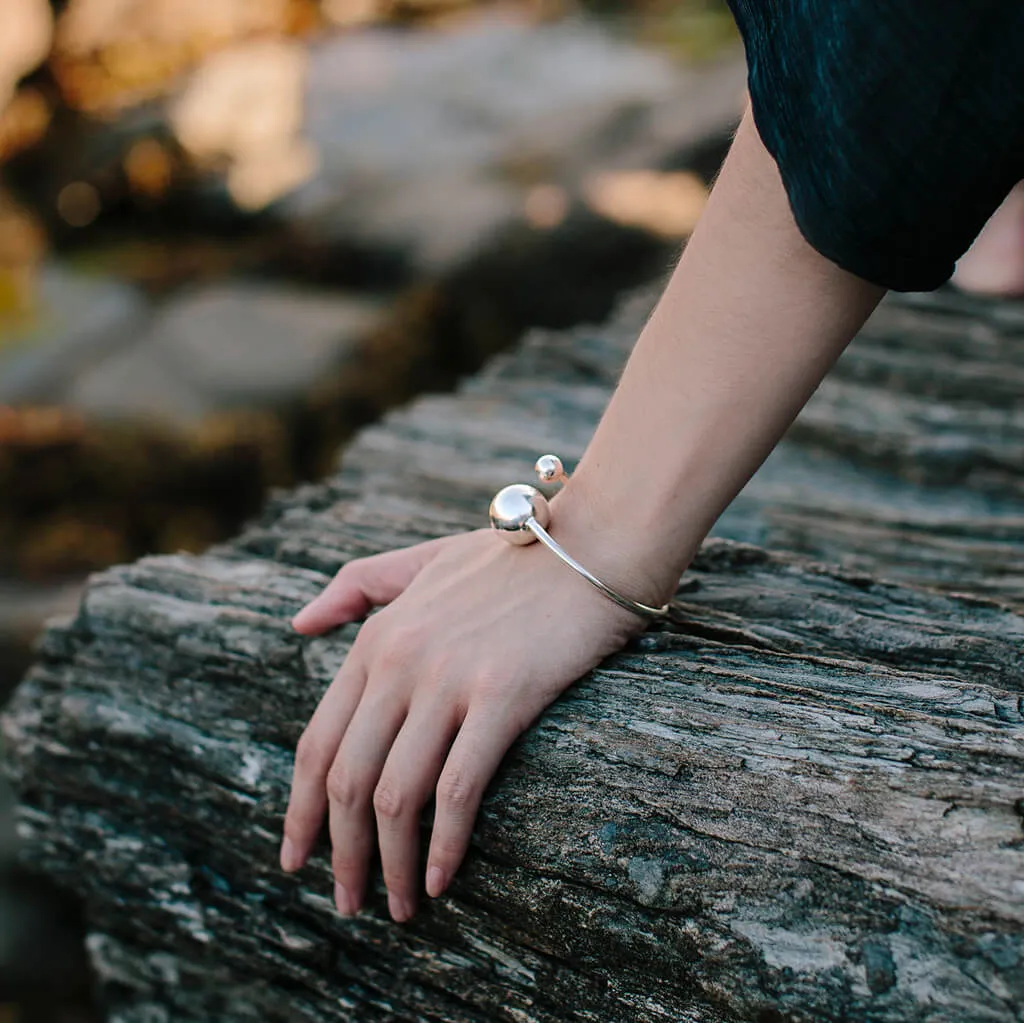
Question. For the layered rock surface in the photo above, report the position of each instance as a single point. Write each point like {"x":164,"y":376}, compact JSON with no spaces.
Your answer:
{"x":801,"y":803}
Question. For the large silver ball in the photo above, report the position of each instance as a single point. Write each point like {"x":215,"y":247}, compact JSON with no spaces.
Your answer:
{"x":513,"y":507}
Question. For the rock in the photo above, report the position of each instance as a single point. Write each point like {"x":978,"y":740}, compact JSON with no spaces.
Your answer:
{"x":172,"y":426}
{"x":434,"y":157}
{"x":227,"y":347}
{"x":431,"y":143}
{"x":398,"y":105}
{"x":70,"y":322}
{"x":799,"y":802}
{"x":440,"y":136}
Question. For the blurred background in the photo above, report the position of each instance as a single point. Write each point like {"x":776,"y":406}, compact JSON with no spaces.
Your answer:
{"x":234,"y":231}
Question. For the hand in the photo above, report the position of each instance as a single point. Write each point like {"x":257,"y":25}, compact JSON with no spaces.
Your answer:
{"x":478,"y":638}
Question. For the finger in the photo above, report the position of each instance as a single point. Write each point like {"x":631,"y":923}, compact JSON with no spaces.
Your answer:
{"x":314,"y":755}
{"x":350,"y":784}
{"x":406,"y":784}
{"x":482,"y":742}
{"x":365,"y":583}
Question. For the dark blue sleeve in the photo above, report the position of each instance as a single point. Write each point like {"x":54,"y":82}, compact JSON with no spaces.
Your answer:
{"x":898,"y":127}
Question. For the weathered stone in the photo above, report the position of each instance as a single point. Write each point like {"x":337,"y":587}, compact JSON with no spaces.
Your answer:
{"x":799,"y":802}
{"x":72,"y":320}
{"x":415,"y":149}
{"x":227,"y":347}
{"x":397,"y":105}
{"x":430,"y":143}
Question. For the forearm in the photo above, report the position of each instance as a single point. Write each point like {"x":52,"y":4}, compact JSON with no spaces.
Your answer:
{"x":750,"y":322}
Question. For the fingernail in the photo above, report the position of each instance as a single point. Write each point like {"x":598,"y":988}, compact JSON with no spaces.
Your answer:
{"x":343,"y":900}
{"x":399,"y":909}
{"x":435,"y":882}
{"x":289,"y":856}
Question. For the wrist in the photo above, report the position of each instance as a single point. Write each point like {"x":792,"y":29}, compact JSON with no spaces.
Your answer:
{"x":625,"y":555}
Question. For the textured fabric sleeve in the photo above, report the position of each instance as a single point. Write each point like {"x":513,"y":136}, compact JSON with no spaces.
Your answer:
{"x":898,"y":127}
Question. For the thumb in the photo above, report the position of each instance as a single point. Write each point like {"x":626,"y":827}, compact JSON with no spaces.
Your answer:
{"x":365,"y":583}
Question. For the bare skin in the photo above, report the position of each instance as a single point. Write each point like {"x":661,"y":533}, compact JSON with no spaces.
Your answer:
{"x":994,"y":264}
{"x":477,"y":638}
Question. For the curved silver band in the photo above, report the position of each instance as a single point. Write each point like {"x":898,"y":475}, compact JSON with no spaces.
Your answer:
{"x":630,"y":605}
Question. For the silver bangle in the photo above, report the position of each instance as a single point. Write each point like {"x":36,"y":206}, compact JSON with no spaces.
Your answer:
{"x":520,"y":514}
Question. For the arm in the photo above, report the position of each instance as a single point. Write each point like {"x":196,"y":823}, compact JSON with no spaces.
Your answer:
{"x":750,"y":322}
{"x":474,"y":643}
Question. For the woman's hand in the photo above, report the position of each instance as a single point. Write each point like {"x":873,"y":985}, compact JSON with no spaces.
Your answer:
{"x":477,"y":639}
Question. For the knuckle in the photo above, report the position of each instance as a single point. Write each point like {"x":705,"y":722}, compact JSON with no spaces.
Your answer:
{"x":447,"y":851}
{"x":456,"y":791}
{"x":437,"y":685}
{"x":301,"y":828}
{"x":492,"y":683}
{"x":344,"y":789}
{"x":503,"y":700}
{"x":389,"y":801}
{"x":311,"y":753}
{"x":369,"y":633}
{"x":444,"y":669}
{"x":345,"y":572}
{"x":344,"y":867}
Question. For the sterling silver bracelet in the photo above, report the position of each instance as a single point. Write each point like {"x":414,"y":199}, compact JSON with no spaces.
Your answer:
{"x":520,"y":514}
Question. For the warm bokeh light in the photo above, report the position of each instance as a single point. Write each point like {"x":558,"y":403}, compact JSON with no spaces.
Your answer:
{"x":24,"y":41}
{"x":149,"y":168}
{"x":112,"y":53}
{"x":547,"y":205}
{"x":79,"y":203}
{"x":669,"y":204}
{"x":244,"y":106}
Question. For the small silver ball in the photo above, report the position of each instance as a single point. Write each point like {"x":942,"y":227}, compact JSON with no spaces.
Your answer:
{"x":549,"y":468}
{"x":513,"y":507}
